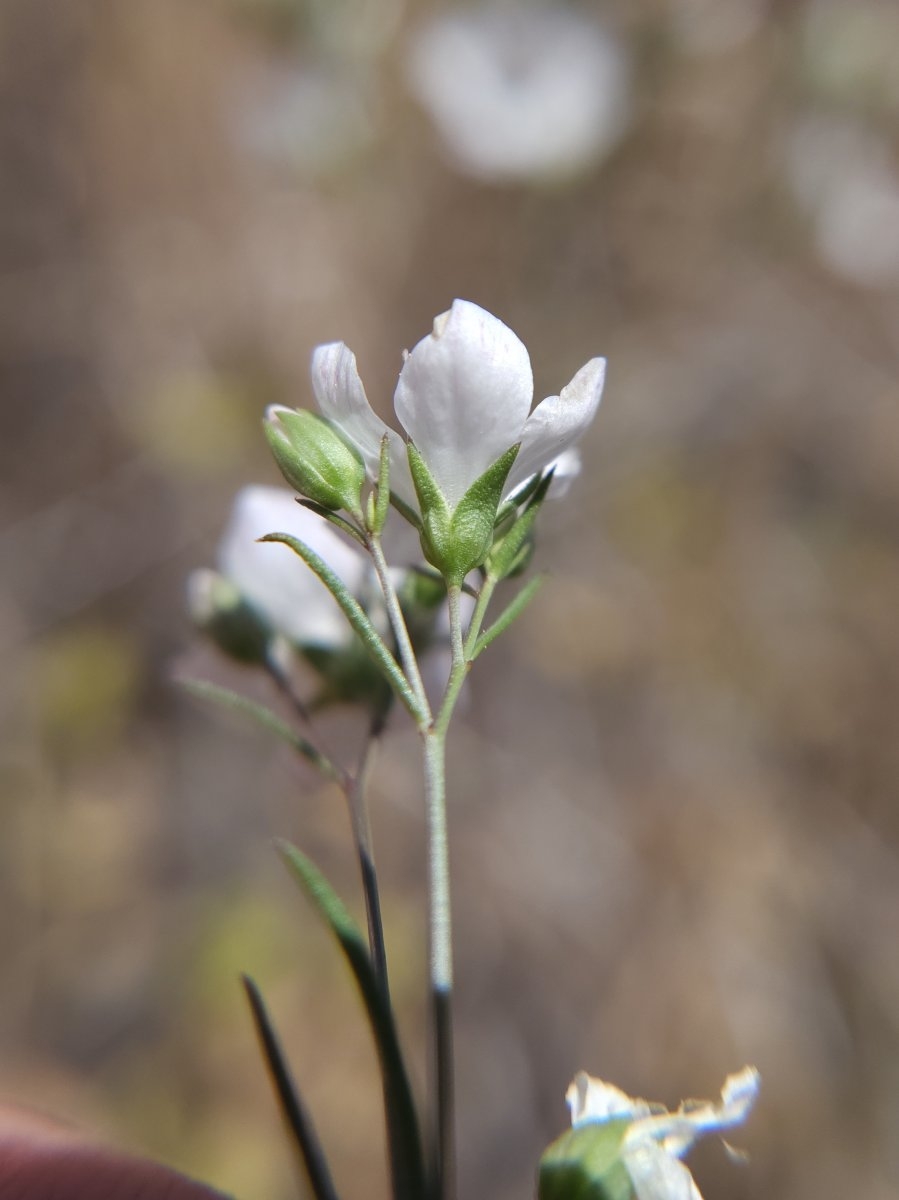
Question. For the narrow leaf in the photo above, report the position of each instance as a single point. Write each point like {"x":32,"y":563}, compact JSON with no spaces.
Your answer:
{"x":405,"y":510}
{"x":332,"y":518}
{"x":503,"y":557}
{"x":514,"y":609}
{"x":356,"y":616}
{"x":518,"y":497}
{"x":407,"y":1163}
{"x":294,"y":1111}
{"x":262,"y":716}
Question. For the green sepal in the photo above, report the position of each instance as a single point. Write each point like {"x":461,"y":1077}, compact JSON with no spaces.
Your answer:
{"x":511,"y":612}
{"x":294,"y":1111}
{"x":475,"y":515}
{"x":512,"y":551}
{"x":357,"y":617}
{"x":435,"y":513}
{"x":314,"y":458}
{"x":586,"y":1163}
{"x":379,"y":501}
{"x":456,"y":542}
{"x":406,"y":1156}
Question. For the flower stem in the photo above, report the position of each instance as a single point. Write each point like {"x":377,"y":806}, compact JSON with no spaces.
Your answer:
{"x":441,"y":953}
{"x":355,"y":787}
{"x":441,"y":964}
{"x":399,"y":629}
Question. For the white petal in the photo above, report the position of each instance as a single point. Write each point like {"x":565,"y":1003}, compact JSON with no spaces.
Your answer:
{"x":657,"y":1176}
{"x":559,"y":421}
{"x":342,"y":399}
{"x":592,"y":1099}
{"x":679,"y":1130}
{"x":271,"y":577}
{"x":521,"y":91}
{"x":463,"y":395}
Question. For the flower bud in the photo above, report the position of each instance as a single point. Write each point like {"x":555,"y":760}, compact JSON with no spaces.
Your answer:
{"x":237,"y":628}
{"x":314,"y":459}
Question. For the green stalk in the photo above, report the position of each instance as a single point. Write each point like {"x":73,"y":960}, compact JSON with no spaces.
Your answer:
{"x":399,"y":629}
{"x":441,"y":946}
{"x":355,"y":790}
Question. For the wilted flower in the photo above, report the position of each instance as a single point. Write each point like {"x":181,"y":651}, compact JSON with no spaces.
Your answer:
{"x":521,"y":91}
{"x":641,"y":1139}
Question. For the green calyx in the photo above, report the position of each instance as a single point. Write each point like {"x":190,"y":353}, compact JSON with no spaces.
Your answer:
{"x":459,"y":540}
{"x":587,"y":1164}
{"x":314,"y":458}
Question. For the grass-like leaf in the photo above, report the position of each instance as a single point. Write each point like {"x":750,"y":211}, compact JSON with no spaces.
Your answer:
{"x":262,"y":716}
{"x":406,"y":1157}
{"x":294,"y":1111}
{"x":357,"y":617}
{"x":514,"y":609}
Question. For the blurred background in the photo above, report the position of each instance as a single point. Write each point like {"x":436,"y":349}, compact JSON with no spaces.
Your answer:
{"x":673,"y":791}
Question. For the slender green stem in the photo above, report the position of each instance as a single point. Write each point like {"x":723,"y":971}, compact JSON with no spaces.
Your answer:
{"x":399,"y":628}
{"x":441,"y":952}
{"x":441,"y":964}
{"x":485,"y":595}
{"x":356,"y":789}
{"x":360,"y":622}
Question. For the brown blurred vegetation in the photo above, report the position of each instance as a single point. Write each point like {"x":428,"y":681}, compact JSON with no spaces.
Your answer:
{"x":674,"y":820}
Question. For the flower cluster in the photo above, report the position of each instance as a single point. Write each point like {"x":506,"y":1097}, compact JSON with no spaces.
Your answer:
{"x":469,"y":474}
{"x":464,"y":400}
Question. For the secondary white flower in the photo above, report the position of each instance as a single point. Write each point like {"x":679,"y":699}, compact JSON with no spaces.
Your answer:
{"x":656,"y":1140}
{"x":521,"y":91}
{"x":846,"y":178}
{"x":274,"y":580}
{"x":463,"y":397}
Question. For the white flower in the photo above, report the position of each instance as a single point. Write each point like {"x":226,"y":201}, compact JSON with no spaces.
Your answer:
{"x":463,"y":397}
{"x":310,"y":118}
{"x":274,"y":580}
{"x":656,"y":1140}
{"x":846,"y":179}
{"x":521,"y":91}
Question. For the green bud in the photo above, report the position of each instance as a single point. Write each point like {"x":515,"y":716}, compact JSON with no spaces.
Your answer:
{"x":218,"y":608}
{"x":587,"y":1163}
{"x":456,"y":542}
{"x":314,"y":458}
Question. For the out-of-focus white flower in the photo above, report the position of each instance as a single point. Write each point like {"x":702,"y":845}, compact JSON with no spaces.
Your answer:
{"x":844,"y":177}
{"x":309,"y":118}
{"x":275,"y":581}
{"x":656,"y":1140}
{"x":522,"y":91}
{"x":464,"y":397}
